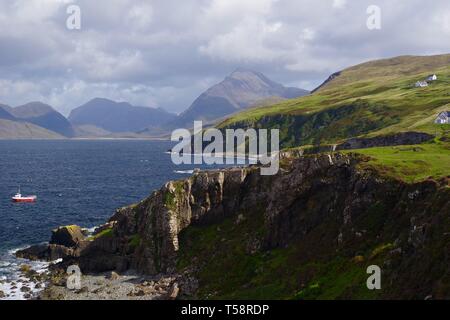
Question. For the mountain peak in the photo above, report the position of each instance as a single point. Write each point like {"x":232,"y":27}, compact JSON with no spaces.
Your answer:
{"x":241,"y":89}
{"x":118,"y":117}
{"x":32,"y":109}
{"x":45,"y":116}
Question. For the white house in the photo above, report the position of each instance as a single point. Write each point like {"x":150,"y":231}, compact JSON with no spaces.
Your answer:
{"x":433,"y":77}
{"x":443,"y":118}
{"x":421,"y":84}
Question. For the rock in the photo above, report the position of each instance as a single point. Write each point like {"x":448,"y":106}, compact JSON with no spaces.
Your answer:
{"x":104,"y":227}
{"x":2,"y":294}
{"x":82,"y":290}
{"x":174,"y":291}
{"x":46,"y":252}
{"x":140,"y":293}
{"x":25,"y":268}
{"x":68,"y":236}
{"x":402,"y":138}
{"x":114,"y":276}
{"x":25,"y":289}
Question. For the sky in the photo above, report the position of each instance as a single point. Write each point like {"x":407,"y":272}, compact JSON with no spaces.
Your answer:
{"x":164,"y":53}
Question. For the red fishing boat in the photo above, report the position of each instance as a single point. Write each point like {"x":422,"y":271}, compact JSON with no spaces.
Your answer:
{"x":19,"y":198}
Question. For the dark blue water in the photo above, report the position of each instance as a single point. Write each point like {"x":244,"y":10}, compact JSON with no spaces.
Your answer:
{"x":77,"y":182}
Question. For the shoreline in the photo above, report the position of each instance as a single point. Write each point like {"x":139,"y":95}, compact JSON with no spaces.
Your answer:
{"x":112,"y":286}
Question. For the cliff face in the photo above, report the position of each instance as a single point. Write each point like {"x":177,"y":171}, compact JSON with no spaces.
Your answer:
{"x":320,"y":222}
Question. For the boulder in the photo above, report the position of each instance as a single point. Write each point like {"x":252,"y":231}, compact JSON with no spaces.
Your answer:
{"x":114,"y":276}
{"x":68,"y":236}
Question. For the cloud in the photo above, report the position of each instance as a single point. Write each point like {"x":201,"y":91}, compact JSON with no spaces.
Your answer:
{"x":339,"y":4}
{"x":165,"y":53}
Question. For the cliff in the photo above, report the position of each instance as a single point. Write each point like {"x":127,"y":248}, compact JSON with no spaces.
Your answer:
{"x":309,"y":232}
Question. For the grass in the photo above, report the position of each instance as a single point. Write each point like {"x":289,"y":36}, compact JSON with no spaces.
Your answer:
{"x":105,"y":233}
{"x":410,"y":163}
{"x":134,"y":241}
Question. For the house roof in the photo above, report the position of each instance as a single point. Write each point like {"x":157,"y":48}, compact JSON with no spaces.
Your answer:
{"x":446,"y":113}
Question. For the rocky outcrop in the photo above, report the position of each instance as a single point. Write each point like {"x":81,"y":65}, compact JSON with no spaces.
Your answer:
{"x":68,"y":236}
{"x":403,"y":138}
{"x":67,"y":241}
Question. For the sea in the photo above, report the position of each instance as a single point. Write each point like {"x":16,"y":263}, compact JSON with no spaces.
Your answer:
{"x":78,"y":182}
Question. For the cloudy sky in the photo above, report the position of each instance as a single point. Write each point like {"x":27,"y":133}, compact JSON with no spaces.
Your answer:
{"x":164,"y":53}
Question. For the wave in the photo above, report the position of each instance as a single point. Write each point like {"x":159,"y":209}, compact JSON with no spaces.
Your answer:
{"x":184,"y":171}
{"x":12,"y":280}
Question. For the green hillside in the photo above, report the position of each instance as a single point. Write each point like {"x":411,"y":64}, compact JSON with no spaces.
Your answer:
{"x":370,"y":99}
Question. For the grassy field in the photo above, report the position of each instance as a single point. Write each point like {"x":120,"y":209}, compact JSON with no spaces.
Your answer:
{"x":410,"y":163}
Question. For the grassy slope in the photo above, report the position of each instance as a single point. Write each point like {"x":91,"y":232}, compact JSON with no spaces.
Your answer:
{"x":411,"y":163}
{"x":384,"y":89}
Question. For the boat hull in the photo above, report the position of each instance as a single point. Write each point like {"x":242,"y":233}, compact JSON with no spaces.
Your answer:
{"x":24,"y":199}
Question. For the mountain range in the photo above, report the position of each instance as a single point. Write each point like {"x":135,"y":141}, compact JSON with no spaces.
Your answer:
{"x":101,"y":117}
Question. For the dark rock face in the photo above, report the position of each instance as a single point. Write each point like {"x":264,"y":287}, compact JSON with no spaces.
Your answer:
{"x":46,"y":252}
{"x":403,"y":138}
{"x":66,"y":242}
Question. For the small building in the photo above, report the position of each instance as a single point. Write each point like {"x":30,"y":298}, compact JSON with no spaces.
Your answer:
{"x":432,"y":77}
{"x":421,"y":84}
{"x":443,"y":118}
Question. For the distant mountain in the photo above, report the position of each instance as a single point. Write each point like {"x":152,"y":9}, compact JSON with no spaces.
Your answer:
{"x":90,"y":131}
{"x":24,"y":130}
{"x":5,"y":112}
{"x":44,"y":116}
{"x":241,"y":89}
{"x":119,"y":116}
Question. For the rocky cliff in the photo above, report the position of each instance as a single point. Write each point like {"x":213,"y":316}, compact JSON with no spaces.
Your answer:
{"x":309,"y":232}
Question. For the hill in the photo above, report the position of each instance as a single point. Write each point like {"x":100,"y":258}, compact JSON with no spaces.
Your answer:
{"x":5,"y":112}
{"x":25,"y":130}
{"x":44,"y":116}
{"x":119,"y":117}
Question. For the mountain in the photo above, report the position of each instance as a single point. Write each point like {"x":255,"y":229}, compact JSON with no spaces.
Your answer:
{"x":370,"y":99}
{"x":44,"y":116}
{"x":241,"y":89}
{"x":5,"y":112}
{"x":90,"y":131}
{"x":119,"y":116}
{"x":24,"y":130}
